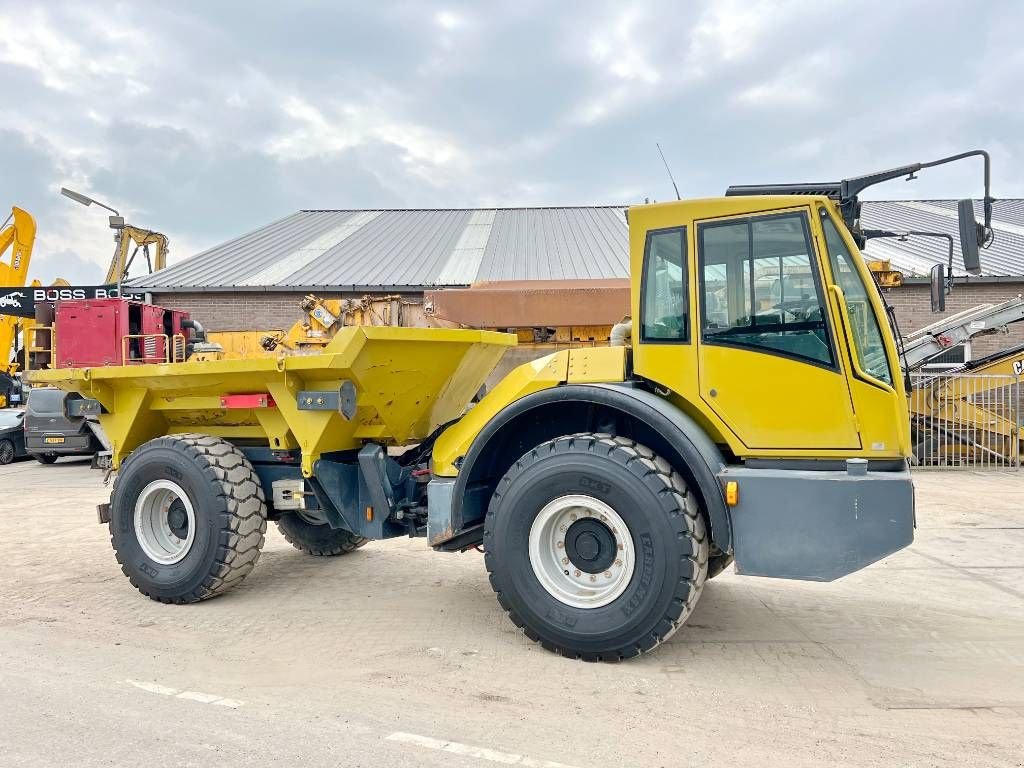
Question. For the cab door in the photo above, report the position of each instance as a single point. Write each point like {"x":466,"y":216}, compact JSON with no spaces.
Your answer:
{"x":768,"y":362}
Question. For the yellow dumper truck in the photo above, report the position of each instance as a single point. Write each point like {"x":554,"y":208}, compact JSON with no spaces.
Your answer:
{"x":752,"y":411}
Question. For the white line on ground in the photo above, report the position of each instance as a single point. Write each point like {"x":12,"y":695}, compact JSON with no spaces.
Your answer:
{"x":203,"y":698}
{"x":468,"y":750}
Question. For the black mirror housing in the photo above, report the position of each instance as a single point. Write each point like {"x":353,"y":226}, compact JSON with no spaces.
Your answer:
{"x":969,"y":237}
{"x":937,"y":281}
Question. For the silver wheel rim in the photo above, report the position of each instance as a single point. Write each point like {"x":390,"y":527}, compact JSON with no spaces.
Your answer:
{"x":6,"y":452}
{"x":157,"y":526}
{"x":558,"y":574}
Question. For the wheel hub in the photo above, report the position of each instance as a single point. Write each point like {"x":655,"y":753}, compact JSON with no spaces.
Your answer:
{"x":590,"y":545}
{"x":581,"y":551}
{"x":177,"y":519}
{"x":165,"y":522}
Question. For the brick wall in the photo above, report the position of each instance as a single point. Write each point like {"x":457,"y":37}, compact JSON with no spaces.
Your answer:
{"x":247,"y":311}
{"x":913,"y":310}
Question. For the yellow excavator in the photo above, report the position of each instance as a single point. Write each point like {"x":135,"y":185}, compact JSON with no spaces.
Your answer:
{"x":126,"y":236}
{"x":18,"y":234}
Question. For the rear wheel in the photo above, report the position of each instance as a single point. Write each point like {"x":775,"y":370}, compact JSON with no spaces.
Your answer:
{"x":6,"y":451}
{"x":45,"y":458}
{"x":595,"y":547}
{"x":187,"y":518}
{"x":312,"y":535}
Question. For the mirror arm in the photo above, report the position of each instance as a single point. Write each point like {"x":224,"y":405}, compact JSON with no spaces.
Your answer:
{"x":869,"y":234}
{"x":988,"y":200}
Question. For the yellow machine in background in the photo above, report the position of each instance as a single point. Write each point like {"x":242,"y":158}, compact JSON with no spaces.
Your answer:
{"x":18,"y":236}
{"x":322,"y":319}
{"x":124,"y":255}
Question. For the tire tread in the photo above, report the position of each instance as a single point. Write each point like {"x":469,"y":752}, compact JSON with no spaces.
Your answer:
{"x":683,"y":510}
{"x":244,"y":502}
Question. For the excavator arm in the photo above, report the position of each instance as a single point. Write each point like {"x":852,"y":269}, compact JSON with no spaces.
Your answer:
{"x":124,"y":254}
{"x":19,"y":236}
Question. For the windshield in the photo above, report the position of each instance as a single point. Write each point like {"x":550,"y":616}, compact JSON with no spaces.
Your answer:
{"x":46,"y":400}
{"x":867,"y":335}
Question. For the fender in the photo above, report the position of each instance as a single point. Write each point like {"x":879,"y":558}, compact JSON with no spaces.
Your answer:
{"x":659,"y":424}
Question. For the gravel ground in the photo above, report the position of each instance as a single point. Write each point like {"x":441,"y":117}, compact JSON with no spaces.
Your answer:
{"x":396,"y":656}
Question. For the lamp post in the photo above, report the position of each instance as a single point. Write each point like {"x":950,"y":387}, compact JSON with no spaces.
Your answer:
{"x":116,"y":221}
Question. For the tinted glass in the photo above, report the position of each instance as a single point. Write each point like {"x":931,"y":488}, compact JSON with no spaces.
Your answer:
{"x":46,"y":400}
{"x":760,"y":287}
{"x":867,"y":335}
{"x":665,"y":310}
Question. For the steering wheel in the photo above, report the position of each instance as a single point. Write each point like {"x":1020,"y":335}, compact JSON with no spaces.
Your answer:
{"x":797,"y":307}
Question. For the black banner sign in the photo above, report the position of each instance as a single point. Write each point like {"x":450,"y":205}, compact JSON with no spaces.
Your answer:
{"x":22,"y":301}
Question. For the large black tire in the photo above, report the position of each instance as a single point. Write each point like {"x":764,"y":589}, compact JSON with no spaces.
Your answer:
{"x":665,"y":525}
{"x":6,"y":451}
{"x":317,"y":539}
{"x":229,"y":508}
{"x":44,"y":458}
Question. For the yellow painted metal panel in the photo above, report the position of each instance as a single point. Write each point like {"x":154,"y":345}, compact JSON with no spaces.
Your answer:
{"x":773,"y":402}
{"x":530,"y":377}
{"x":592,"y":365}
{"x":408,"y":382}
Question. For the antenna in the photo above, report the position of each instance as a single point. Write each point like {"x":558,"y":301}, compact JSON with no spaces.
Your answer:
{"x":669,"y":170}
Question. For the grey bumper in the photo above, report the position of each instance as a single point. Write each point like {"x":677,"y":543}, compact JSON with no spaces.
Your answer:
{"x":818,"y":525}
{"x":73,"y":444}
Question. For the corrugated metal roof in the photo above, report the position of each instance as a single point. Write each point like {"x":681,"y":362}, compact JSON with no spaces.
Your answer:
{"x":915,"y":256}
{"x":413,"y":249}
{"x":395,"y":249}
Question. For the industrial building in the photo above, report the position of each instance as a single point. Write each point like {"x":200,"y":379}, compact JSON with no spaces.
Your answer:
{"x":257,"y":280}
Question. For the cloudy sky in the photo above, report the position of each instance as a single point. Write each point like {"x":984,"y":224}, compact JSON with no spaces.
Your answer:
{"x":208,"y":119}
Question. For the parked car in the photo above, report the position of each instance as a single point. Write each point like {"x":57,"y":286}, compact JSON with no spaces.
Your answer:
{"x":50,"y":429}
{"x":12,"y":434}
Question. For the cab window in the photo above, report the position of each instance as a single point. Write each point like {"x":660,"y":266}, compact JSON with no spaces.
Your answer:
{"x":760,"y":287}
{"x":867,"y":336}
{"x":665,"y":310}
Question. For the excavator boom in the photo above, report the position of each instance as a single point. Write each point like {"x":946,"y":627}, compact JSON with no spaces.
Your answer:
{"x":124,"y":254}
{"x":19,"y":236}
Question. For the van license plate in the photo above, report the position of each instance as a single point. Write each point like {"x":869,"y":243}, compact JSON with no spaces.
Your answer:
{"x":52,"y":440}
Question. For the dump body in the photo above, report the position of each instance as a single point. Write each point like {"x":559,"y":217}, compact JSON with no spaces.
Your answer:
{"x":406,"y":382}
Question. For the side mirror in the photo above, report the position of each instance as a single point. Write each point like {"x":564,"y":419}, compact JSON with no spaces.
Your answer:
{"x":938,"y":286}
{"x":969,"y":237}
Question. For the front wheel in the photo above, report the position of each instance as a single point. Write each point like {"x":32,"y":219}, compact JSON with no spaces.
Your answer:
{"x":6,"y":451}
{"x":595,"y":547}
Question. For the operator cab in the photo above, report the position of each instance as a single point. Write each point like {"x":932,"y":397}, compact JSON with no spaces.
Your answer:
{"x":760,"y":316}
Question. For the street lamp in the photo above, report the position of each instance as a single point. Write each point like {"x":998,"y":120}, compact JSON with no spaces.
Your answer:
{"x":116,"y":221}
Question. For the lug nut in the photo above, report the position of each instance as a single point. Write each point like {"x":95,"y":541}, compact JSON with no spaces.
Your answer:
{"x":560,"y":544}
{"x":593,"y":577}
{"x":618,"y":563}
{"x":565,"y":561}
{"x":607,"y":574}
{"x":576,"y":572}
